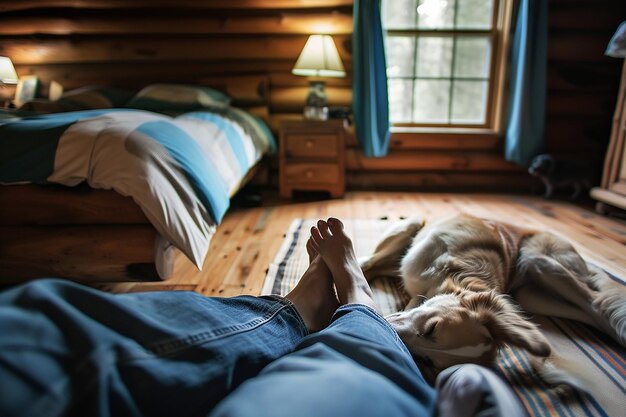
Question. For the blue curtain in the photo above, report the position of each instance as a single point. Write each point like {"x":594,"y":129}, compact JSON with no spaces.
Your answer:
{"x":369,"y":74}
{"x":524,"y":134}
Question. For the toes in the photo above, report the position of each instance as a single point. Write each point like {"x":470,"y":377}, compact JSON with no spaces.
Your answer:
{"x":336,"y":226}
{"x":310,"y":249}
{"x":315,"y":246}
{"x":315,"y":234}
{"x":322,"y":226}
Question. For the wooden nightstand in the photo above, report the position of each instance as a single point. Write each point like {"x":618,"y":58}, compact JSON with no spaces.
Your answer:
{"x":311,"y":157}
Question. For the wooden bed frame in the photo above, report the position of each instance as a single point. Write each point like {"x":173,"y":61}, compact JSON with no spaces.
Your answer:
{"x":92,"y":235}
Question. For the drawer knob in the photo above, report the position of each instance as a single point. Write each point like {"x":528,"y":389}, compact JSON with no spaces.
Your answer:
{"x":309,"y":143}
{"x":309,"y":174}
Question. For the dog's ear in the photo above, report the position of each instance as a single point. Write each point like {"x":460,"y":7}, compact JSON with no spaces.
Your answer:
{"x":507,"y":324}
{"x":448,"y":286}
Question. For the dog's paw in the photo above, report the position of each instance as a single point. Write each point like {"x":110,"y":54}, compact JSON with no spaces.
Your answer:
{"x":563,"y":375}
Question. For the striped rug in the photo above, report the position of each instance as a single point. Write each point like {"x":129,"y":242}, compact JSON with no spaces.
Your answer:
{"x":604,"y":359}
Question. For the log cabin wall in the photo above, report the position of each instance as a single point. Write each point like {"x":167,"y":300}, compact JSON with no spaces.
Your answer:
{"x":132,"y":43}
{"x":582,"y":81}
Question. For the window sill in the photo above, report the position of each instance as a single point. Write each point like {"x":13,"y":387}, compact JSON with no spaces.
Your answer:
{"x":461,"y":131}
{"x":453,"y":139}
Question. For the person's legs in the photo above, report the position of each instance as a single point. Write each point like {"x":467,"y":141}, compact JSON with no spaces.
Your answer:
{"x":357,"y":366}
{"x":68,"y":349}
{"x":314,"y":297}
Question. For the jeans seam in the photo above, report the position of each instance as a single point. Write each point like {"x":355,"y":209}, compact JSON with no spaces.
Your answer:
{"x":105,"y":353}
{"x":377,"y":314}
{"x":294,"y":310}
{"x":175,"y":345}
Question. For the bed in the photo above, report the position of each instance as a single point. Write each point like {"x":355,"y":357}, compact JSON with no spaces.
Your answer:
{"x":128,"y":182}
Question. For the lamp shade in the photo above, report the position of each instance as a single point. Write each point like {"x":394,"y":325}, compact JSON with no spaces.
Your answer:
{"x":7,"y":71}
{"x":617,"y":44}
{"x":319,"y":58}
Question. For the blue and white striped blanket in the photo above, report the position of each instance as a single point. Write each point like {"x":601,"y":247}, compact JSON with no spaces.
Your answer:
{"x":181,"y":171}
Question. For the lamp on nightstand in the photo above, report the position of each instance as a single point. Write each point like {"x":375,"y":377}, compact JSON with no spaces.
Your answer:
{"x":8,"y":76}
{"x":319,"y":58}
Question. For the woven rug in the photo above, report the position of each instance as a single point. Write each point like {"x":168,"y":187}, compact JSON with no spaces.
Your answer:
{"x":604,"y":359}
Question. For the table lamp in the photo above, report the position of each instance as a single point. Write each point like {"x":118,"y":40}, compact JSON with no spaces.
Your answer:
{"x":7,"y":76}
{"x":319,"y":58}
{"x":617,"y":44}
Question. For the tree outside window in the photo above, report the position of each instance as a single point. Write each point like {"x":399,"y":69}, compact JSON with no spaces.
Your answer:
{"x":442,"y":61}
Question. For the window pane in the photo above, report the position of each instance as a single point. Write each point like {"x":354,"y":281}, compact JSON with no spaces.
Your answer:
{"x":434,"y":56}
{"x":400,"y":100}
{"x":472,"y":57}
{"x":474,"y":14}
{"x":400,"y":53}
{"x":435,"y":14}
{"x":431,"y":101}
{"x":439,"y":74}
{"x":398,"y":14}
{"x":469,"y":101}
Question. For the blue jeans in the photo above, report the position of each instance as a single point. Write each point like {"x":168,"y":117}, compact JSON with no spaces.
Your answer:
{"x":66,"y":349}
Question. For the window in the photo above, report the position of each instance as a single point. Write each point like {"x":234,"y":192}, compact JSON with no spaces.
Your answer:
{"x":442,"y":62}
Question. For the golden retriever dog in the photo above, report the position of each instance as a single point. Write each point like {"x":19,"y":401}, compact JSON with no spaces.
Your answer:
{"x":467,"y":278}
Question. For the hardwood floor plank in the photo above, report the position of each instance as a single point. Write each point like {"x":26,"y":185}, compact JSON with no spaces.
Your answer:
{"x":248,"y":239}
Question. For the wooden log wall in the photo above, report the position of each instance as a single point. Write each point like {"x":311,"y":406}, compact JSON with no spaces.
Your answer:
{"x":130,"y":43}
{"x":582,"y":81}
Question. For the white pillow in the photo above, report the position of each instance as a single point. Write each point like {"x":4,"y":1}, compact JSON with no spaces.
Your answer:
{"x":157,"y":97}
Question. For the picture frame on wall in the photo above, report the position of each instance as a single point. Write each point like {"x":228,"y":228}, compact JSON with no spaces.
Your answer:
{"x":26,"y":89}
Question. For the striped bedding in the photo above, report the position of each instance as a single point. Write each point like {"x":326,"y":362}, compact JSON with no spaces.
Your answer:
{"x":180,"y":170}
{"x":604,"y":359}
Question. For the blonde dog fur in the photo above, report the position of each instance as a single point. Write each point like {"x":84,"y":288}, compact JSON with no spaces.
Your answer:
{"x":461,"y":274}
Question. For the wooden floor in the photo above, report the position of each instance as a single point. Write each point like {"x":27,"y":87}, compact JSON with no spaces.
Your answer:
{"x":248,"y":239}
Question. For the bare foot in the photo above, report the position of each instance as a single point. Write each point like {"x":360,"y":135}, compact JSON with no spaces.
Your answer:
{"x":314,"y":295}
{"x":310,"y":249}
{"x":337,"y":251}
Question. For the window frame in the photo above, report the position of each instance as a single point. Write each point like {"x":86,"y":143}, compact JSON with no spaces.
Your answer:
{"x":500,"y":37}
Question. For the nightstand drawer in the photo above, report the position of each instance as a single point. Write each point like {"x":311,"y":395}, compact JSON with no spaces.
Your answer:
{"x":311,"y":145}
{"x":311,"y":173}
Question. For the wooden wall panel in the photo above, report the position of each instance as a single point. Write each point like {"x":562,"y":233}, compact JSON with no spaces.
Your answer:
{"x":432,"y":160}
{"x":438,"y":180}
{"x":582,"y":76}
{"x":178,"y":4}
{"x":121,"y":74}
{"x":334,"y":24}
{"x":582,"y":81}
{"x":155,"y":48}
{"x":130,"y":43}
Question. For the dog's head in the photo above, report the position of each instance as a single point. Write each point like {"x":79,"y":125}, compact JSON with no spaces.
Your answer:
{"x":466,"y":327}
{"x":541,"y":165}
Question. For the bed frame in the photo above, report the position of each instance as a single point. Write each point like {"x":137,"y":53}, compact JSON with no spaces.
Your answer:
{"x":92,"y":235}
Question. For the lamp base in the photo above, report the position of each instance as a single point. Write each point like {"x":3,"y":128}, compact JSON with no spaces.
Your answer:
{"x":315,"y":107}
{"x":315,"y":113}
{"x":7,"y":93}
